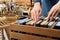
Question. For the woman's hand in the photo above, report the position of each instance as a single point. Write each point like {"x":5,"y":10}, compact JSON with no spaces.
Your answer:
{"x":36,"y":11}
{"x":54,"y":11}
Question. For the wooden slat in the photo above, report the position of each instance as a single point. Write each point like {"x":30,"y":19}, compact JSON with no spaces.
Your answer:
{"x":37,"y":30}
{"x":22,"y":1}
{"x":27,"y":37}
{"x":5,"y":34}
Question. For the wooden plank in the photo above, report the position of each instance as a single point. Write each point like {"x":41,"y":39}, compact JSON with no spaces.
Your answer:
{"x":27,"y":37}
{"x":22,"y":1}
{"x":1,"y":34}
{"x":37,"y":30}
{"x":5,"y":34}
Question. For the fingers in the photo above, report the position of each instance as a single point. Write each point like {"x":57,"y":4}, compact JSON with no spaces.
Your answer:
{"x":56,"y":14}
{"x":53,"y":14}
{"x":50,"y":14}
{"x":32,"y":14}
{"x":35,"y":15}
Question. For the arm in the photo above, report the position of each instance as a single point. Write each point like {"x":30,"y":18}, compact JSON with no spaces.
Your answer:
{"x":36,"y":11}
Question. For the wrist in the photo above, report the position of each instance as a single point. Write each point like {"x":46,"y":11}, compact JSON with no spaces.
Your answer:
{"x":37,"y":4}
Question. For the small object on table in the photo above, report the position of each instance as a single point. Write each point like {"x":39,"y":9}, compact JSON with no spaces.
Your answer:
{"x":22,"y":22}
{"x":44,"y":24}
{"x":30,"y":22}
{"x":57,"y":26}
{"x":38,"y":23}
{"x":51,"y":24}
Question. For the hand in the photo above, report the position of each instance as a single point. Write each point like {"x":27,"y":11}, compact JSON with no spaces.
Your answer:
{"x":54,"y":11}
{"x":36,"y":11}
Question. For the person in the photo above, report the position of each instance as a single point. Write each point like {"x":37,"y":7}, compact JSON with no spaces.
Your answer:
{"x":46,"y":8}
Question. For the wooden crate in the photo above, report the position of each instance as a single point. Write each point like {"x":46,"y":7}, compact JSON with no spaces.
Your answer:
{"x":24,"y":32}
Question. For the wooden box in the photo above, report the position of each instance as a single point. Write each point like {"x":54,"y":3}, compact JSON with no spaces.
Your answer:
{"x":24,"y":32}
